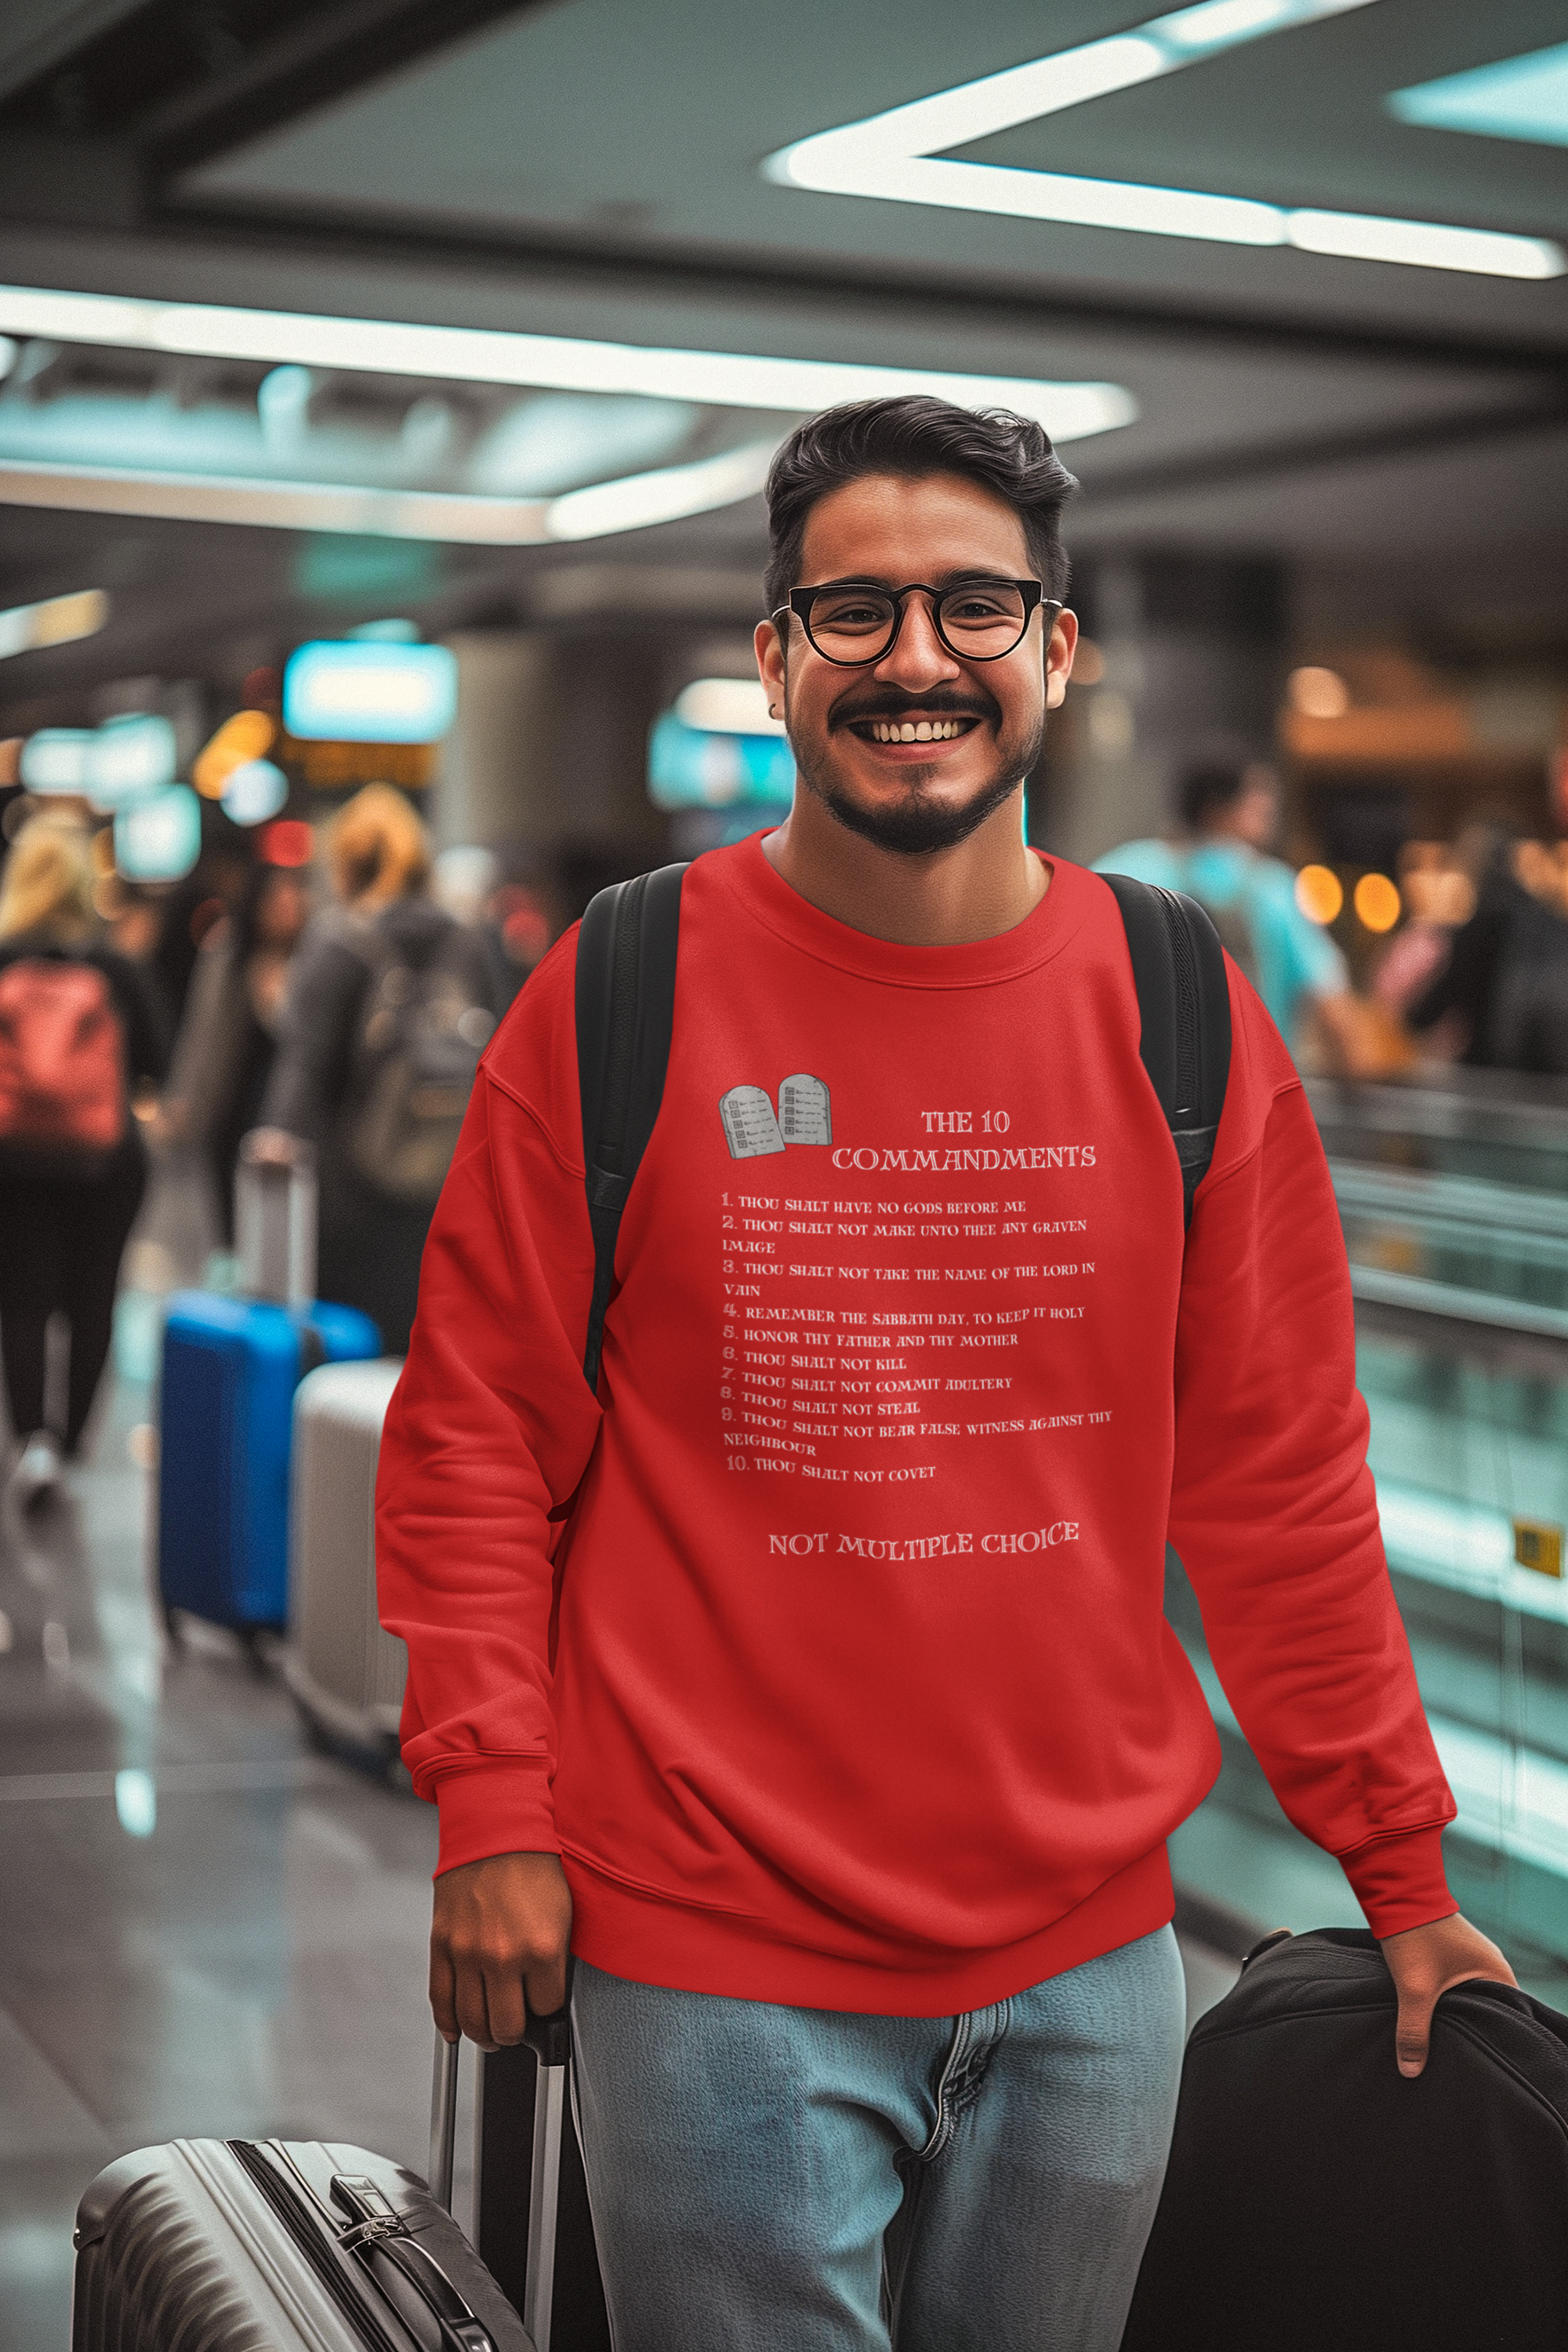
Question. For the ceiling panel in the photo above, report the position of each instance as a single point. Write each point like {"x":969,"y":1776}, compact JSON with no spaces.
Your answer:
{"x":1300,"y":119}
{"x":601,"y":119}
{"x":35,"y":34}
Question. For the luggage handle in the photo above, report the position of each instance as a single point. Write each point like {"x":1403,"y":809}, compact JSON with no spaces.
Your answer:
{"x":373,"y":2221}
{"x":374,"y":2225}
{"x":275,"y":1211}
{"x":550,"y":2039}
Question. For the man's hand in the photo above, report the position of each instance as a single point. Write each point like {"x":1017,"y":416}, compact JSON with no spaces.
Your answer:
{"x":1424,"y":1962}
{"x":502,"y":1929}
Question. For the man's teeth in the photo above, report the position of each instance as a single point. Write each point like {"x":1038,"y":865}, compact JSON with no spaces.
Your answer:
{"x":915,"y":730}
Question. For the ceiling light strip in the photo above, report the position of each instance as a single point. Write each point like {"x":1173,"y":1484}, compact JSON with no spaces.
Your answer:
{"x":56,"y":621}
{"x":635,"y":502}
{"x":1069,"y":411}
{"x":275,"y":506}
{"x":894,"y":156}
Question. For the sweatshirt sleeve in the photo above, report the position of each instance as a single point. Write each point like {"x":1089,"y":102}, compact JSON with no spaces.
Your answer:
{"x":1273,"y":1510}
{"x":489,"y":1433}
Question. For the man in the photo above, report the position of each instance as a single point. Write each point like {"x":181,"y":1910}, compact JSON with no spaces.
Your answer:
{"x":1229,"y":807}
{"x":813,"y":1680}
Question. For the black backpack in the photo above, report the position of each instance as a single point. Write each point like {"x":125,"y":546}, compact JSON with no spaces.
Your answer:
{"x":421,"y":1028}
{"x":1317,"y":2202}
{"x":626,"y":1018}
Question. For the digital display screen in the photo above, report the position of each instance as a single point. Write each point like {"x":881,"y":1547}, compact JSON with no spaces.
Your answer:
{"x":359,"y":693}
{"x":159,"y":839}
{"x":130,"y":757}
{"x":687,"y":766}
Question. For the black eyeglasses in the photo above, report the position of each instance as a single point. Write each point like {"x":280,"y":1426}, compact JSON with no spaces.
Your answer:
{"x":854,"y":621}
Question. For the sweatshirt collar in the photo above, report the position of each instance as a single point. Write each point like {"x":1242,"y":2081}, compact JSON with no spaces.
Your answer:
{"x":768,"y":898}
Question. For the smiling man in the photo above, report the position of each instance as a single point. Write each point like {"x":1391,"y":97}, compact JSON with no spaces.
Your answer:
{"x":811,"y":1680}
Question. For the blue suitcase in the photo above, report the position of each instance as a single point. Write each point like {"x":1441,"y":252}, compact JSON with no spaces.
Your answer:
{"x":230,"y":1369}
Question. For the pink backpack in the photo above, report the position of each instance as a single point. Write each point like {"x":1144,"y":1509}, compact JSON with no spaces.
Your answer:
{"x":62,"y":1073}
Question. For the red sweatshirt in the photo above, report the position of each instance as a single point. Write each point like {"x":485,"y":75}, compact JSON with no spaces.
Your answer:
{"x":826,"y":1646}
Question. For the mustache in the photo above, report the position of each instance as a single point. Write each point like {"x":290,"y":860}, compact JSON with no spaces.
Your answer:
{"x":854,"y":709}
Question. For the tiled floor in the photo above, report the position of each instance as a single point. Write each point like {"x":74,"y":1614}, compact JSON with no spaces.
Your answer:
{"x":206,"y":1927}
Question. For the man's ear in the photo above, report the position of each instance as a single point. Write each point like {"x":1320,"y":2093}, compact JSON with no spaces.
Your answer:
{"x":770,"y":650}
{"x":1060,"y":648}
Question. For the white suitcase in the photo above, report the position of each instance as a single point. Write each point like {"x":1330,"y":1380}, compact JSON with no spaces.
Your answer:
{"x":346,"y":1674}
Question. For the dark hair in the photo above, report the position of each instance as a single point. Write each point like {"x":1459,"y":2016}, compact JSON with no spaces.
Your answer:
{"x":1009,"y":456}
{"x":1214,"y":781}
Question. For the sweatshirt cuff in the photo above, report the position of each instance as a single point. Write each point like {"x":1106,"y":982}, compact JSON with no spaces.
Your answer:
{"x":494,"y":1809}
{"x":1398,"y":1880}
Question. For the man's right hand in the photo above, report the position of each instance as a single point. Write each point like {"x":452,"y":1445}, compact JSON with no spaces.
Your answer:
{"x":498,"y":1943}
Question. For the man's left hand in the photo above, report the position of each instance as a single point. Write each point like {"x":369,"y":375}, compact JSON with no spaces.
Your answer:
{"x":1424,"y":1962}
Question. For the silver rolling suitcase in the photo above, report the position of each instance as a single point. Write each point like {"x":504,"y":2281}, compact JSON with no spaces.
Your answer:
{"x":345,"y":1672}
{"x":211,"y":2245}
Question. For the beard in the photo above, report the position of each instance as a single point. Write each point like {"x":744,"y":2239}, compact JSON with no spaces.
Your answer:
{"x":917,"y":823}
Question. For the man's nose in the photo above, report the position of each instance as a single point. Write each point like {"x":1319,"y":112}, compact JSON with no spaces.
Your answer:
{"x":917,"y":656}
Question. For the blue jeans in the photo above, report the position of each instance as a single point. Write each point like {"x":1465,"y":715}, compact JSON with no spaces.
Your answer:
{"x":773,"y":2179}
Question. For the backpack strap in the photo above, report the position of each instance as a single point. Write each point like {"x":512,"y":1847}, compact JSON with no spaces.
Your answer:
{"x":1184,"y":1002}
{"x":625,"y":1016}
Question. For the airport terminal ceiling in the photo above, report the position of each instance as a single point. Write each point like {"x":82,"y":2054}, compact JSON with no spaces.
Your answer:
{"x":589,"y":170}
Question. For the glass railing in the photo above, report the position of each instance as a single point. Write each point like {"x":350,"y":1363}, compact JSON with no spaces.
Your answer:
{"x":1454,"y":1201}
{"x":1486,"y":1123}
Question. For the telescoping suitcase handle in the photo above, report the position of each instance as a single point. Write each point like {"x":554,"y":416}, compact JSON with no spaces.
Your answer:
{"x":275,"y":1221}
{"x":550,"y":2039}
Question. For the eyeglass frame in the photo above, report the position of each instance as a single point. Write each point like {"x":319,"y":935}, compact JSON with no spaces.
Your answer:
{"x":799,"y":603}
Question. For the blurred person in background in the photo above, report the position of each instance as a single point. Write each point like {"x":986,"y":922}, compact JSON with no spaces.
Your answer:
{"x":1438,"y":896}
{"x":79,"y":1031}
{"x":1526,"y":1025}
{"x":463,"y":884}
{"x":1452,"y":1013}
{"x":518,"y":922}
{"x":228,"y":1038}
{"x":1229,"y":811}
{"x":390,"y":1002}
{"x":135,"y":927}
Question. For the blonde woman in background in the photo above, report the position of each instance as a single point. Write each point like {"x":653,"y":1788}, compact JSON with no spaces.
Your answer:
{"x":79,"y":1033}
{"x":390,"y":1002}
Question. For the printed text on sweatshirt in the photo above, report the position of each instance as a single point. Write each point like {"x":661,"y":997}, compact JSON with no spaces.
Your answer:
{"x":827,"y":1645}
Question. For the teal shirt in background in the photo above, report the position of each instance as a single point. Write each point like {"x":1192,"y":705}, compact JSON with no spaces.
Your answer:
{"x":1294,"y":958}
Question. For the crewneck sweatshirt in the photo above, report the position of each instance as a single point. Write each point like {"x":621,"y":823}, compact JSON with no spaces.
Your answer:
{"x":825,"y":1643}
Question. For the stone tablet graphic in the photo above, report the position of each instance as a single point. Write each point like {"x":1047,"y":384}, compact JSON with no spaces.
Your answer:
{"x":750,"y":1128}
{"x":805,"y":1116}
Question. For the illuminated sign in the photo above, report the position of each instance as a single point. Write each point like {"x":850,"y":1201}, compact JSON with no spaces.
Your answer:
{"x":254,"y":793}
{"x":130,"y":757}
{"x":245,"y":736}
{"x":56,"y":760}
{"x":360,"y":693}
{"x":159,"y":839}
{"x":57,"y":621}
{"x":689,"y":767}
{"x":727,"y":706}
{"x":287,"y":842}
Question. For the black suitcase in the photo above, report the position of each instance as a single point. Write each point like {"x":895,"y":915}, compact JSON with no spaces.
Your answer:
{"x":1318,"y":2201}
{"x":213,"y":2245}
